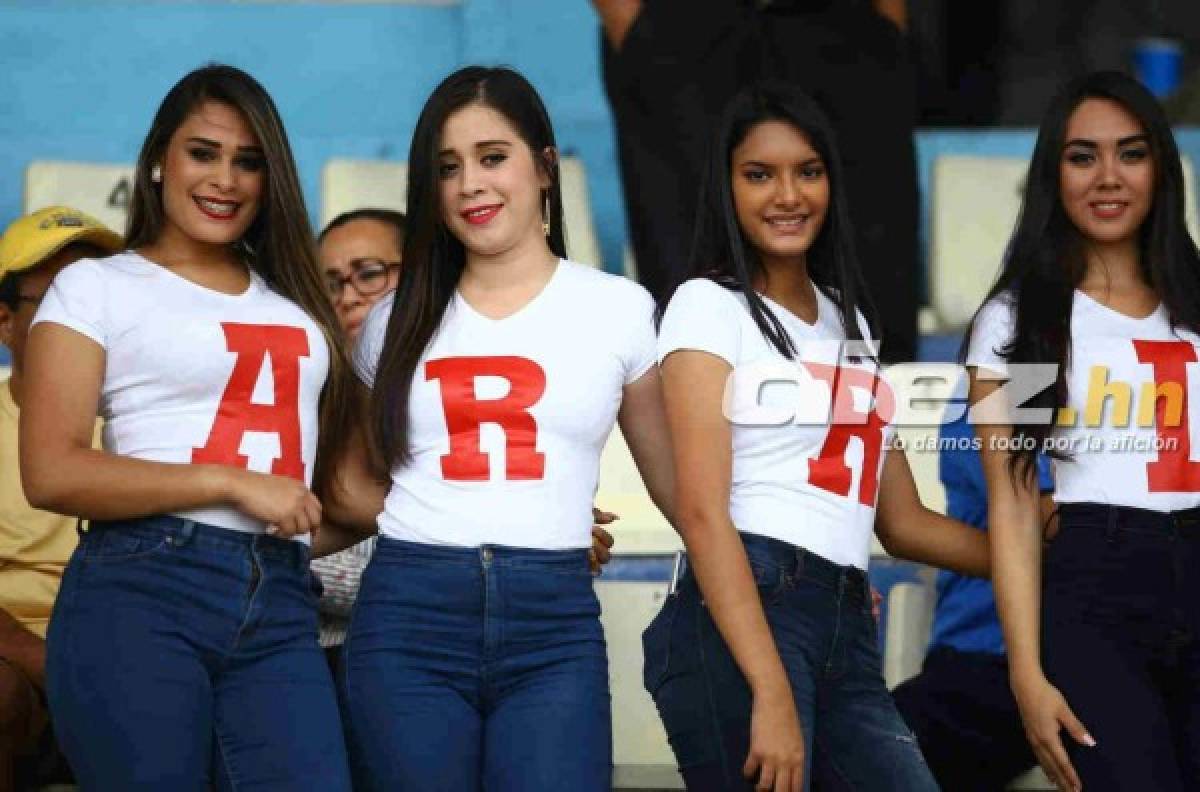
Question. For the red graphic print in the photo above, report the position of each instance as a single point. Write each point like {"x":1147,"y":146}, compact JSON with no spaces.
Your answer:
{"x":465,"y":413}
{"x":829,"y":470}
{"x":237,"y":415}
{"x":1173,"y":470}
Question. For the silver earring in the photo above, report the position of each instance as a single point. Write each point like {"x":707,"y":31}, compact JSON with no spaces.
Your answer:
{"x":546,"y":216}
{"x":156,"y":174}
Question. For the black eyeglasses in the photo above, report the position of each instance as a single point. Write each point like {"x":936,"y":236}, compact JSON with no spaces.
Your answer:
{"x":370,"y":277}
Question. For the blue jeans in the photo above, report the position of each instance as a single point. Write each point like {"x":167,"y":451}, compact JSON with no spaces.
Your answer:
{"x":477,"y":669}
{"x":1121,"y":641}
{"x":820,"y":617}
{"x":182,"y":654}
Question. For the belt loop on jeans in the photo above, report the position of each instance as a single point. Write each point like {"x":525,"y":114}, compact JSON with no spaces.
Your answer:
{"x":1110,"y":530}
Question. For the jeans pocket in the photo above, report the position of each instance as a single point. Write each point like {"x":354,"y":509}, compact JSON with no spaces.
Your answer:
{"x":656,"y":644}
{"x":770,"y":580}
{"x":112,"y":545}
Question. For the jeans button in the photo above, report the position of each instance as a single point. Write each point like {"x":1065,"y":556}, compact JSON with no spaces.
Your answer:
{"x":487,"y":554}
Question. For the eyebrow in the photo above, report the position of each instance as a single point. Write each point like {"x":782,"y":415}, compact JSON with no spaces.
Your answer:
{"x":215,"y":144}
{"x":481,"y":144}
{"x":809,"y":161}
{"x":1141,"y":137}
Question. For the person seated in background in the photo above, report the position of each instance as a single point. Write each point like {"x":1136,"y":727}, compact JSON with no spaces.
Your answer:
{"x":960,"y":706}
{"x":34,"y":545}
{"x":360,"y":254}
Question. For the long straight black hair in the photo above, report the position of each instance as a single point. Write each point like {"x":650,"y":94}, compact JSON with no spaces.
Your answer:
{"x":433,"y":257}
{"x":1046,"y":257}
{"x":279,"y":243}
{"x":720,"y":250}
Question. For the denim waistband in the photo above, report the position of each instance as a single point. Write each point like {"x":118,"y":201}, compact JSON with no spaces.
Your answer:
{"x":800,"y":563}
{"x":494,"y":555}
{"x":182,"y":532}
{"x":1129,"y":518}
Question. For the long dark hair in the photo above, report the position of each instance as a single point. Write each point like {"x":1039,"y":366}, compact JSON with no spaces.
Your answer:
{"x":1045,"y":259}
{"x":720,"y":250}
{"x":433,"y":257}
{"x":278,"y":245}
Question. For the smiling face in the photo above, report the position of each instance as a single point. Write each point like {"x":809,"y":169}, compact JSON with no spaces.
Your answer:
{"x":213,"y":177}
{"x":780,"y":192}
{"x":362,"y":253}
{"x":1106,"y":172}
{"x":490,"y":185}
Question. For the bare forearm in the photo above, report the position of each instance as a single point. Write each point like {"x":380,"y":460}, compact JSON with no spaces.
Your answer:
{"x":937,"y":540}
{"x":97,"y":485}
{"x":22,"y":648}
{"x":718,"y":559}
{"x":334,"y":538}
{"x":1016,"y":554}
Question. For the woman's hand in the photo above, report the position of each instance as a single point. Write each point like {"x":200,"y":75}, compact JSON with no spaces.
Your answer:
{"x":1046,"y":713}
{"x":776,"y":760}
{"x":602,"y":540}
{"x":284,"y":504}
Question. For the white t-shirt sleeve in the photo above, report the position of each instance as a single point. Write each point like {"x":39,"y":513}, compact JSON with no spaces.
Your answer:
{"x":701,"y":316}
{"x":992,"y":332}
{"x":370,"y":340}
{"x":76,"y":299}
{"x":641,"y":351}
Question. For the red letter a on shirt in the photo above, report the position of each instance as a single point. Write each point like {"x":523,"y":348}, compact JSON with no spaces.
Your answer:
{"x":237,"y":414}
{"x":465,"y":412}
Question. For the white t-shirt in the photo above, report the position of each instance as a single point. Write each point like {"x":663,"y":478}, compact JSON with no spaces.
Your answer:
{"x":507,"y":418}
{"x":192,"y":375}
{"x":808,"y":479}
{"x":1117,"y":455}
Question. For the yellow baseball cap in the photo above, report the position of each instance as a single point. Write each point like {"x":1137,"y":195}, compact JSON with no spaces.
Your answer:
{"x":36,"y":237}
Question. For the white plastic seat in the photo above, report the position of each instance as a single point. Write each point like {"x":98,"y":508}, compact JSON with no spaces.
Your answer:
{"x":102,"y":190}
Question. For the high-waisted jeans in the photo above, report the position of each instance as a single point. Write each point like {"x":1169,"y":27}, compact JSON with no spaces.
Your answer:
{"x":477,"y":669}
{"x":181,"y":655}
{"x":820,"y":617}
{"x":1120,"y":630}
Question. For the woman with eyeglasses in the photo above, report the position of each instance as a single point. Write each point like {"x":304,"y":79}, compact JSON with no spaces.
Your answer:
{"x":360,"y":257}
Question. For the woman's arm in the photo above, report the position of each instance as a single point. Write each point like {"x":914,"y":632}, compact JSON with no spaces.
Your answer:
{"x":693,"y":389}
{"x":907,"y":529}
{"x":1015,"y":531}
{"x":355,"y":502}
{"x":61,"y":472}
{"x":643,"y":422}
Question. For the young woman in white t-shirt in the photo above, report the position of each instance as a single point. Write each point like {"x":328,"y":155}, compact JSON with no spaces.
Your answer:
{"x":475,"y":657}
{"x":1101,"y":287}
{"x":183,"y":646}
{"x":764,"y":663}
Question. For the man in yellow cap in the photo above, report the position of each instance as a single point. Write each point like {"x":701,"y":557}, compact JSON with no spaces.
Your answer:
{"x":34,"y":545}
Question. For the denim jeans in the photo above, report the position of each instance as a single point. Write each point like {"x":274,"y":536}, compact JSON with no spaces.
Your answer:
{"x":820,"y":617}
{"x":1120,"y":630}
{"x":477,"y":669}
{"x":181,"y":654}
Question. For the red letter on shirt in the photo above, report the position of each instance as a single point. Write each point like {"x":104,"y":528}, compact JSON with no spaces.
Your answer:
{"x":829,"y":470}
{"x":1174,"y":470}
{"x":237,"y":415}
{"x":465,"y":412}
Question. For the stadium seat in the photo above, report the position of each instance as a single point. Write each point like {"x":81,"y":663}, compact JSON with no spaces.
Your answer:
{"x":353,"y":184}
{"x":101,"y":190}
{"x":974,"y":208}
{"x":909,"y":620}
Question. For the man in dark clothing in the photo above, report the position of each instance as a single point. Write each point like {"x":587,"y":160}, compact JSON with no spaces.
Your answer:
{"x":671,"y":65}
